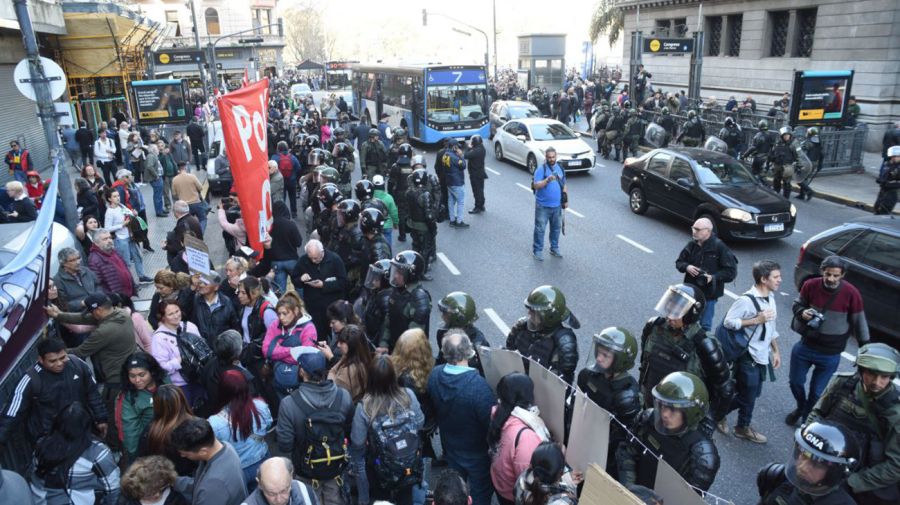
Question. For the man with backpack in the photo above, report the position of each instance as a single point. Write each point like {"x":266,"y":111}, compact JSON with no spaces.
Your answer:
{"x":313,"y":426}
{"x":751,"y":320}
{"x":289,"y":166}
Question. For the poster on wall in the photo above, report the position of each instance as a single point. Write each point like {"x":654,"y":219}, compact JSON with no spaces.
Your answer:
{"x":820,"y":97}
{"x":160,"y":101}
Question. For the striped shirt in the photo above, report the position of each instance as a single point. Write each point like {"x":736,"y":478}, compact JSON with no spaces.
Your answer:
{"x":95,"y":471}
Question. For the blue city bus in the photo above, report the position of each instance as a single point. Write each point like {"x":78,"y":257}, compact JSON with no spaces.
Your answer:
{"x":431,"y":102}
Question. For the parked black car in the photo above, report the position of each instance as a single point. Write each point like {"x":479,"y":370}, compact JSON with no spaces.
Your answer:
{"x":693,"y":183}
{"x":871,"y":248}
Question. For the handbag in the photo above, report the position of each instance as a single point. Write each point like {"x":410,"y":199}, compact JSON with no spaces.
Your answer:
{"x":799,"y":325}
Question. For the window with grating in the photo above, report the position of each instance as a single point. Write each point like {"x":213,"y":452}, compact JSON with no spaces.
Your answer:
{"x":662,"y":27}
{"x":714,"y":29}
{"x":735,"y":25}
{"x":778,"y":20}
{"x":679,"y":28}
{"x":806,"y":31}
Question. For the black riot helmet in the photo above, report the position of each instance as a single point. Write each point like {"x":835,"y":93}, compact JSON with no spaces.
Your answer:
{"x":406,"y":268}
{"x":339,"y":133}
{"x":823,"y":457}
{"x":310,"y":125}
{"x":343,"y":150}
{"x":681,"y":302}
{"x":405,"y":150}
{"x":763,"y":125}
{"x":371,"y":220}
{"x":317,"y":157}
{"x":476,"y":140}
{"x":312,"y":141}
{"x":729,"y":122}
{"x":348,"y":212}
{"x":378,"y":275}
{"x":329,"y":194}
{"x":364,"y":190}
{"x":418,"y":178}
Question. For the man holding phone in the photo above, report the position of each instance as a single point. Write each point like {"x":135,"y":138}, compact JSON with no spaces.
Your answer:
{"x":549,"y":186}
{"x":322,"y":277}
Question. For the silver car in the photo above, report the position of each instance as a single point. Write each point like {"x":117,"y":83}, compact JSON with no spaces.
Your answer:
{"x":506,"y":110}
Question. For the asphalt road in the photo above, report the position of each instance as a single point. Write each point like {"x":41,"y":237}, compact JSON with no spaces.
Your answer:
{"x":615,"y":267}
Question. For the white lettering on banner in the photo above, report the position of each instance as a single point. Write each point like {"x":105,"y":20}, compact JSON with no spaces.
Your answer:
{"x":265,"y":215}
{"x":251,"y":126}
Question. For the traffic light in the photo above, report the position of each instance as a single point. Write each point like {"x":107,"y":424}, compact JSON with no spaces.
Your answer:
{"x":218,"y":66}
{"x":424,"y":17}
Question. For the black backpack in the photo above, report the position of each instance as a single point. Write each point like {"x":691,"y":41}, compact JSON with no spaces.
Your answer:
{"x":322,"y":455}
{"x":394,"y":450}
{"x":195,"y":354}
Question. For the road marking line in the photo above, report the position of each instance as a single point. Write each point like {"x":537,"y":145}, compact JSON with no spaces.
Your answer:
{"x":491,"y":170}
{"x":526,"y":188}
{"x":635,"y":244}
{"x":797,"y":231}
{"x":731,"y":295}
{"x":785,"y":294}
{"x":575,"y":213}
{"x":492,"y":315}
{"x":447,"y":263}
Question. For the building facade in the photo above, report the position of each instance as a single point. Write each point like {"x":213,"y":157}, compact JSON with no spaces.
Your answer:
{"x":752,"y":47}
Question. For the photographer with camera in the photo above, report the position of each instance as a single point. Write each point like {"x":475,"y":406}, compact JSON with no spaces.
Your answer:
{"x":827,"y":312}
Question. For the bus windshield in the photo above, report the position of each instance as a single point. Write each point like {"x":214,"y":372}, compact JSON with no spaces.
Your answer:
{"x":455,"y":102}
{"x":338,"y":79}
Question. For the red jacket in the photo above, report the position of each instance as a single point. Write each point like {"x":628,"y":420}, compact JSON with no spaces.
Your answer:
{"x":24,"y":160}
{"x":112,"y":272}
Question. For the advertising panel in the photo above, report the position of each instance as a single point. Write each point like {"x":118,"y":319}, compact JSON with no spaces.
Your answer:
{"x":160,"y":101}
{"x":820,"y":98}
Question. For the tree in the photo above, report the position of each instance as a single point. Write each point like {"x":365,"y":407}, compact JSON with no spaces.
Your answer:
{"x":608,"y":18}
{"x":305,"y":34}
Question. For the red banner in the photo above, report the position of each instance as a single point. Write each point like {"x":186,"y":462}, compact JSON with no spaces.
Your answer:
{"x":243,"y":115}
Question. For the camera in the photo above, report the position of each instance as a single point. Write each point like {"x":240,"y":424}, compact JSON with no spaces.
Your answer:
{"x":816,"y":321}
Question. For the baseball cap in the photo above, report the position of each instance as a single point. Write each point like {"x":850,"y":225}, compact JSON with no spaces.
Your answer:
{"x":384,"y":115}
{"x":310,"y":359}
{"x":95,"y":301}
{"x":378,"y":180}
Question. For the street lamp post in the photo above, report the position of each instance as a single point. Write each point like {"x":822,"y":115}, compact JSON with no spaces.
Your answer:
{"x":199,"y":47}
{"x":212,"y":56}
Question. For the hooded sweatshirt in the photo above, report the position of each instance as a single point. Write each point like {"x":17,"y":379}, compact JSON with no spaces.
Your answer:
{"x":462,"y":403}
{"x":291,"y":427}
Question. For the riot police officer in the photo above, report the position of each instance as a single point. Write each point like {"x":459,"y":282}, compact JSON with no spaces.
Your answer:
{"x":608,"y":384}
{"x":474,"y":155}
{"x":351,"y":245}
{"x":867,"y":402}
{"x":601,"y":119}
{"x":759,"y":147}
{"x":440,"y":169}
{"x":783,"y":156}
{"x":671,"y":430}
{"x":733,"y":136}
{"x":812,"y":149}
{"x":824,"y":455}
{"x":398,"y":140}
{"x":675,"y":342}
{"x":422,"y":218}
{"x":692,"y":131}
{"x":371,"y":224}
{"x":458,"y":311}
{"x":615,"y":131}
{"x":398,"y":182}
{"x":325,"y":222}
{"x":373,"y":156}
{"x":634,"y":130}
{"x":409,"y":304}
{"x":344,"y":162}
{"x":665,"y":120}
{"x":365,"y":194}
{"x":543,"y":336}
{"x":889,"y":180}
{"x":372,"y":304}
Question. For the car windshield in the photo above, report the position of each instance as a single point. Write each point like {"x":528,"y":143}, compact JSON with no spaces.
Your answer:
{"x":523,"y":112}
{"x":552,"y":131}
{"x":453,"y":103}
{"x":722,"y":172}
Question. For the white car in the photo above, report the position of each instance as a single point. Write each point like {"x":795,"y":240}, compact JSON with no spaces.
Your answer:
{"x":301,"y":89}
{"x":525,"y":141}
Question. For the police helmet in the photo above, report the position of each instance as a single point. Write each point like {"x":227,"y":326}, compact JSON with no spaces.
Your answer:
{"x":681,"y":301}
{"x":893,"y":151}
{"x":458,"y":309}
{"x":785,"y":130}
{"x":878,"y":358}
{"x":371,"y":220}
{"x":477,"y":140}
{"x":364,"y":190}
{"x":339,"y":133}
{"x":418,"y":178}
{"x":729,"y":122}
{"x":406,"y":268}
{"x":378,"y":275}
{"x":318,"y":156}
{"x":348,"y":212}
{"x":329,"y":194}
{"x":621,"y":344}
{"x":373,"y":132}
{"x":812,"y":132}
{"x":763,"y":125}
{"x":626,"y":104}
{"x":547,"y":308}
{"x":312,"y":141}
{"x":405,"y":151}
{"x":399,"y":134}
{"x":691,"y":114}
{"x":824,"y":455}
{"x":683,"y":392}
{"x":343,"y":150}
{"x":327,"y":174}
{"x":419,"y":161}
{"x":665,"y":111}
{"x":310,"y":124}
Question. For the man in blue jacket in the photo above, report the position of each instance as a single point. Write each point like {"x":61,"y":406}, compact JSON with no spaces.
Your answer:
{"x":455,"y":165}
{"x":462,"y":403}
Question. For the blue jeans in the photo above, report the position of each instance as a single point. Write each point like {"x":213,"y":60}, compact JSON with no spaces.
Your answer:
{"x":457,"y":205}
{"x":130,"y":253}
{"x":158,"y":204}
{"x":749,"y":377}
{"x":802,"y":358}
{"x":389,"y":236}
{"x":706,"y":318}
{"x":477,"y":474}
{"x":282,"y":269}
{"x":20,"y":176}
{"x":541,"y":216}
{"x":199,"y":210}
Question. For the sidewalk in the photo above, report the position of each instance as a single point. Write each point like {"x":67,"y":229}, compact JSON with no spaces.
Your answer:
{"x":854,"y":190}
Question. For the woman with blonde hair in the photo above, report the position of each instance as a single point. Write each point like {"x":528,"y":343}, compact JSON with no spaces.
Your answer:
{"x":413,"y":362}
{"x":235,"y":270}
{"x":149,"y":480}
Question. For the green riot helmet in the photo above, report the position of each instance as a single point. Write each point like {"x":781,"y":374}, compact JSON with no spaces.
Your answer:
{"x":824,"y":456}
{"x":328,"y":174}
{"x":665,"y":111}
{"x":618,"y":344}
{"x":812,"y":132}
{"x":679,"y":392}
{"x":399,"y":134}
{"x":373,"y":132}
{"x":878,"y":358}
{"x":626,"y":104}
{"x":763,"y":125}
{"x":546,"y":308}
{"x":458,"y":309}
{"x":691,"y":114}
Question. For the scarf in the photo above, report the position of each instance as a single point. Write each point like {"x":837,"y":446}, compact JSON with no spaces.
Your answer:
{"x":532,"y":418}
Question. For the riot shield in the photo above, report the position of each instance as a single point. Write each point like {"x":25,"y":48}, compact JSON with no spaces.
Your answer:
{"x":715,"y":144}
{"x":655,"y":135}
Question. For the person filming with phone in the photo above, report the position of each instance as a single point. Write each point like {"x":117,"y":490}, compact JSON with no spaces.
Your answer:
{"x":550,"y":199}
{"x":321,"y":275}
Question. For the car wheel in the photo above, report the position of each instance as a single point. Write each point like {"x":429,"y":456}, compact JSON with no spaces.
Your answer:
{"x":531,"y":162}
{"x":637,"y":201}
{"x":498,"y":151}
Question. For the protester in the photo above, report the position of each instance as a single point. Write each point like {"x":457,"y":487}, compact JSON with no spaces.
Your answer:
{"x":277,"y":486}
{"x":546,"y":482}
{"x":213,"y":313}
{"x":321,"y":275}
{"x":293,"y":330}
{"x":170,"y":286}
{"x":166,"y":348}
{"x":285,"y":241}
{"x":23,"y":208}
{"x":141,"y":376}
{"x":214,"y":482}
{"x":73,"y":281}
{"x":352,"y":370}
{"x":149,"y":480}
{"x":170,"y":410}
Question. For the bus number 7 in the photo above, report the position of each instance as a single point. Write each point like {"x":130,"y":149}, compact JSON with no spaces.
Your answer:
{"x":458,"y":76}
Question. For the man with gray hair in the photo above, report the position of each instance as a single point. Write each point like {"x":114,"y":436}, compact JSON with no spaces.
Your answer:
{"x":73,"y":282}
{"x":185,"y":223}
{"x":462,"y":402}
{"x":276,"y":485}
{"x":322,"y":276}
{"x":111,"y":269}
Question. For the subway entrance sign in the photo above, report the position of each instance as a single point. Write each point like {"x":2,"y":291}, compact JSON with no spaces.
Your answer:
{"x":659,"y":45}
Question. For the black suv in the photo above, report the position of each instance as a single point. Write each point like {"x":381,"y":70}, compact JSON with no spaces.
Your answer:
{"x":693,"y":183}
{"x":871,"y":248}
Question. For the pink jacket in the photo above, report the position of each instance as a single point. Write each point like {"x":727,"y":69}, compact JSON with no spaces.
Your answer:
{"x":164,"y":348}
{"x":511,"y":459}
{"x":236,"y":230}
{"x":283,"y":353}
{"x":142,"y":332}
